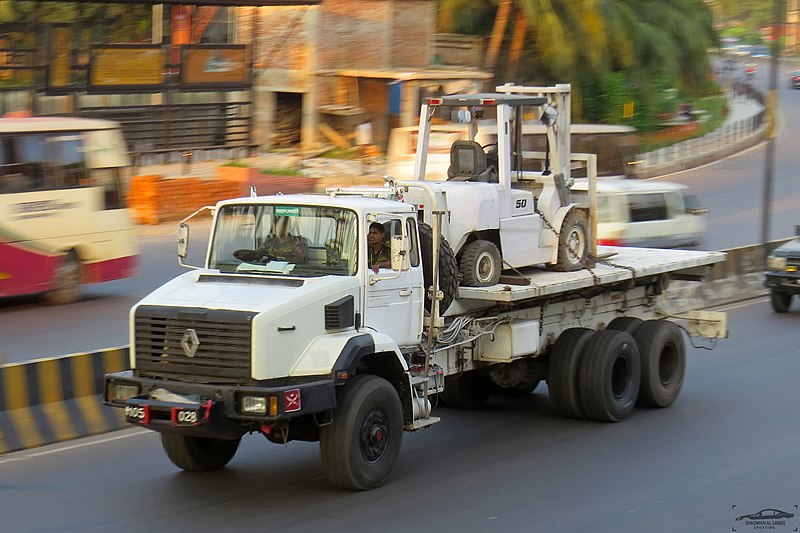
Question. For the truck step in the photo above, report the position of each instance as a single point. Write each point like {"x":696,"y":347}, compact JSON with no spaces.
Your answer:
{"x":422,"y":423}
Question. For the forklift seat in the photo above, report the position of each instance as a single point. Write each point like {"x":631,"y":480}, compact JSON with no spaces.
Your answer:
{"x":467,"y":161}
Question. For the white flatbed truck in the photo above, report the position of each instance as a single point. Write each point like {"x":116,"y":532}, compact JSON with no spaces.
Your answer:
{"x":326,"y":348}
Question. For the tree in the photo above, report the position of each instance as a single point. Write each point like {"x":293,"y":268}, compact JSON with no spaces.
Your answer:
{"x":638,"y":47}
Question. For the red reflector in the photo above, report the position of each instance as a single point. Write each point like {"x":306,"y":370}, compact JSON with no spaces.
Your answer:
{"x":291,"y":400}
{"x":434,"y":101}
{"x":488,"y":101}
{"x":609,"y":242}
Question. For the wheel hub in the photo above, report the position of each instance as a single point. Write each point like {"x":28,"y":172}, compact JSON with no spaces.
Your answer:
{"x":374,"y":436}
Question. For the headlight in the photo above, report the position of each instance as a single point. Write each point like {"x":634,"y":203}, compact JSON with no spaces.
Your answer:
{"x":260,"y":405}
{"x":776,"y":263}
{"x":122,"y":391}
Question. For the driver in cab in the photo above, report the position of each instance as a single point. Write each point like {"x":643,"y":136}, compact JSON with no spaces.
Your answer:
{"x":280,"y":245}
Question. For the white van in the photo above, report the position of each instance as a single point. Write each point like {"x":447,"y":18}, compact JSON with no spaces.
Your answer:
{"x":649,"y":214}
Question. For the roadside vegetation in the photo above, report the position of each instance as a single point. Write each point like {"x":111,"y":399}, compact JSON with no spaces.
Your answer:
{"x":631,"y":62}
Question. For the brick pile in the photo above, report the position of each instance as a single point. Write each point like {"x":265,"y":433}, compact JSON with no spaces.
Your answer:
{"x":155,"y":199}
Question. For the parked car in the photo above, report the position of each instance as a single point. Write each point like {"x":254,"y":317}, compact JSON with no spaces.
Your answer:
{"x":649,"y":214}
{"x":783,"y":273}
{"x":796,"y":79}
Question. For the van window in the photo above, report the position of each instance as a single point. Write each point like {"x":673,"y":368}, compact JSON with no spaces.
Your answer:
{"x":645,"y":207}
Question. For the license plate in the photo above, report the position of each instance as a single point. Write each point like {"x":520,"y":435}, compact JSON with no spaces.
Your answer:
{"x":182,"y":416}
{"x":139,"y":414}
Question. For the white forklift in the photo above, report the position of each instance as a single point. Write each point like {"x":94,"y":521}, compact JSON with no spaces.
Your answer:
{"x":509,"y":213}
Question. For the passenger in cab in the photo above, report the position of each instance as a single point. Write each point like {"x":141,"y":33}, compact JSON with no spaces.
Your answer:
{"x":380,"y":252}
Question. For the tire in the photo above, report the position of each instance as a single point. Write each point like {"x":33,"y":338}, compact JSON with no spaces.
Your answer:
{"x":360,"y":447}
{"x":66,"y":281}
{"x":573,"y":242}
{"x":628,"y":324}
{"x":448,"y":269}
{"x":198,"y":454}
{"x":480,"y":264}
{"x":781,"y":301}
{"x":468,"y":390}
{"x":663,"y":356}
{"x":562,"y":379}
{"x":609,"y":376}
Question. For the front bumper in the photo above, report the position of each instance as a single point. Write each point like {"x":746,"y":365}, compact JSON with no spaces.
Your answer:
{"x":783,"y":281}
{"x":215,"y":410}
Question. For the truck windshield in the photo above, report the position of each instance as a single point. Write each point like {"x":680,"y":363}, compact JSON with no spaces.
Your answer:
{"x":294,"y":240}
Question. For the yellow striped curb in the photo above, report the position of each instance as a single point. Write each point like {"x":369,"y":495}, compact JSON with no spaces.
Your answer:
{"x":53,"y":400}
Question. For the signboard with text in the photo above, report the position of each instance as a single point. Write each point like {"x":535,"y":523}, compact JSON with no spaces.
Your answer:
{"x":59,"y":73}
{"x":217,"y":66}
{"x":128,"y":67}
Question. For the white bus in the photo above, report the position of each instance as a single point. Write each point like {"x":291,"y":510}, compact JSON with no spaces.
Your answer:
{"x":63,"y":218}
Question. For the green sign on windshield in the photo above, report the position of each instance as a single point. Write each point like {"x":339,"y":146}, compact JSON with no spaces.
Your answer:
{"x":286,"y":211}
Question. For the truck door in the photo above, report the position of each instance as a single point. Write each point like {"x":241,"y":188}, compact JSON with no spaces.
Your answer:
{"x":394,"y":299}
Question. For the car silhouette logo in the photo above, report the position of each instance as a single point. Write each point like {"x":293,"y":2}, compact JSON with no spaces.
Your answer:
{"x":766,"y":514}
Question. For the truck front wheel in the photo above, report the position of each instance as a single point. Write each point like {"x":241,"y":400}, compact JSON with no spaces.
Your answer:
{"x":360,"y":447}
{"x":781,"y":301}
{"x":198,"y":454}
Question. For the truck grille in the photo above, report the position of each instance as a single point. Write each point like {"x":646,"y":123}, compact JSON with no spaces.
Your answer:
{"x":192,"y":344}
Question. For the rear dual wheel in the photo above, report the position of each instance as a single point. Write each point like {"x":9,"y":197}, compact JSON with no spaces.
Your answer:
{"x":663,"y":356}
{"x":601,"y":375}
{"x":609,"y":376}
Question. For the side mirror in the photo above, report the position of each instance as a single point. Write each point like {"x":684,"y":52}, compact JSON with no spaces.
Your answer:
{"x":183,"y":240}
{"x":399,"y":253}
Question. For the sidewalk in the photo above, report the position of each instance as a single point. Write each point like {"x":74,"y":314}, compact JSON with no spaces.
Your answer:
{"x":741,"y":129}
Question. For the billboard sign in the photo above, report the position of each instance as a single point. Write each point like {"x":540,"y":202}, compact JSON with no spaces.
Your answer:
{"x":219,"y":66}
{"x":129,"y":67}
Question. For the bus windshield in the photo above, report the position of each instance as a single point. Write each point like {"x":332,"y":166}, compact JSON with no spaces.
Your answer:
{"x":63,"y":219}
{"x":296,"y":240}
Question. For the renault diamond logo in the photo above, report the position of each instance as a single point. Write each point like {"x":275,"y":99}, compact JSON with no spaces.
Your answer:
{"x":190,"y":342}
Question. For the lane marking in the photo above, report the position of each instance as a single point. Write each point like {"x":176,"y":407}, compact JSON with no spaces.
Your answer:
{"x":67,"y":448}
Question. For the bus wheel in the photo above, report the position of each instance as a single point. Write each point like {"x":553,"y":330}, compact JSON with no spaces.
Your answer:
{"x":609,"y":376}
{"x":66,"y":281}
{"x":360,"y":446}
{"x":663,"y":356}
{"x":198,"y":454}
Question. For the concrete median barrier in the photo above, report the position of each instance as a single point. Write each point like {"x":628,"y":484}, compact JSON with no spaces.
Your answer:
{"x":53,"y":400}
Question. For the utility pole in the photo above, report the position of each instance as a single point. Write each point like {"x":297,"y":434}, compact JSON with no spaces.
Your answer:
{"x":772,"y":117}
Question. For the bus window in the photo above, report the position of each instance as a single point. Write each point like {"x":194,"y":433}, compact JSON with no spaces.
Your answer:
{"x":29,"y":155}
{"x":111,"y":182}
{"x":67,"y":158}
